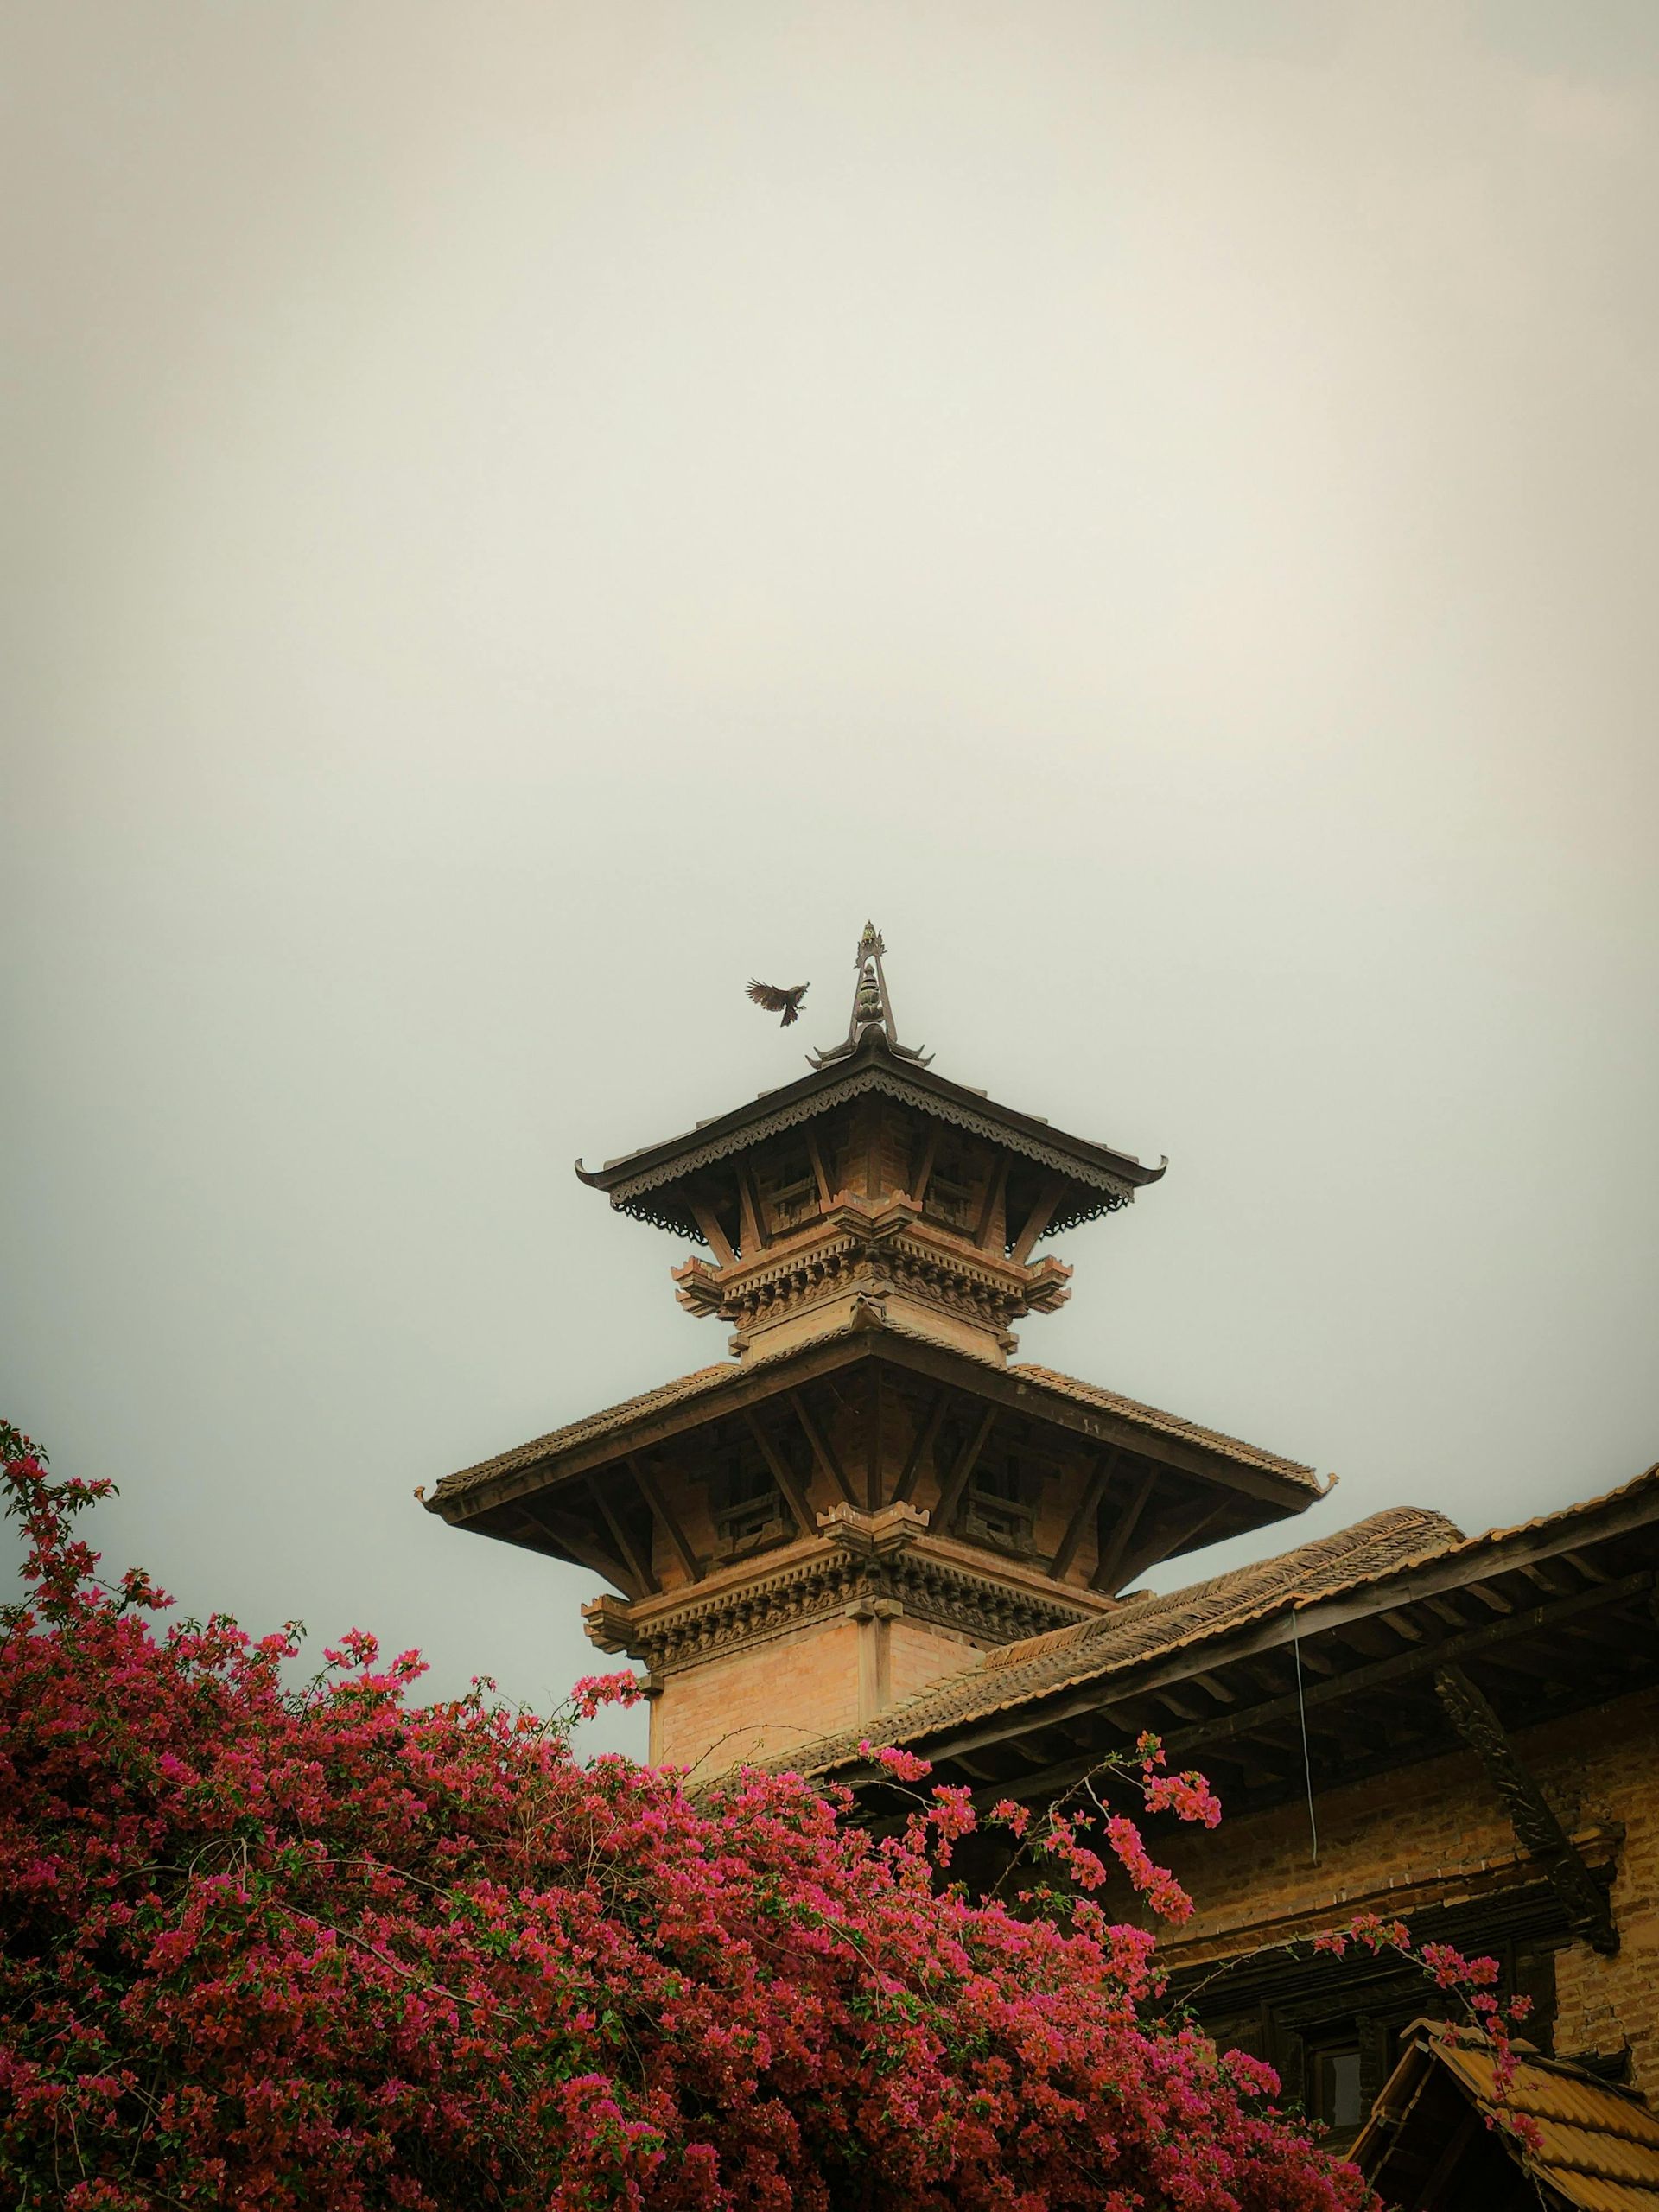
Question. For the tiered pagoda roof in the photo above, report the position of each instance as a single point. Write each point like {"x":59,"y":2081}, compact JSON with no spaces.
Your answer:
{"x":868,"y":1233}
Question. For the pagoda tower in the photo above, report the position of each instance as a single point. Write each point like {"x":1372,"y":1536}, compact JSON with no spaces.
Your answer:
{"x":868,"y":1490}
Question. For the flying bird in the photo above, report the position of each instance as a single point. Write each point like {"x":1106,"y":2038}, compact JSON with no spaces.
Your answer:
{"x":788,"y":1003}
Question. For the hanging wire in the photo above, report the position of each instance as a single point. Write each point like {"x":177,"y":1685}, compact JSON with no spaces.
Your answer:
{"x":1301,"y":1710}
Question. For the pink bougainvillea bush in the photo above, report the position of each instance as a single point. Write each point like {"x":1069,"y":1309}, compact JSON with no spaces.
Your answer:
{"x":326,"y":1948}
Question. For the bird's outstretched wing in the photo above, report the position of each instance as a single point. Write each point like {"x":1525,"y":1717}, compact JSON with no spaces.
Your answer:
{"x":788,"y":1003}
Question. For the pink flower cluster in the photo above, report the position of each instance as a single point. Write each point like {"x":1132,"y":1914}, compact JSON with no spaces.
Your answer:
{"x":1473,"y":1982}
{"x":624,"y":1688}
{"x":322,"y":1949}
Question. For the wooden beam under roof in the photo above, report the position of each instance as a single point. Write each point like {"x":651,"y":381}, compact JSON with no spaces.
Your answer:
{"x":789,"y":1488}
{"x":1094,"y":1491}
{"x":1106,"y":1576}
{"x":956,"y":1481}
{"x":869,"y":1137}
{"x":1494,"y":1600}
{"x":578,"y":1542}
{"x":1259,"y":1753}
{"x":1535,"y":1666}
{"x":1534,"y":1820}
{"x":1587,"y":1568}
{"x":872,"y":1440}
{"x":756,"y":1236}
{"x":1119,"y":1692}
{"x":930,"y":1154}
{"x":1419,"y":1659}
{"x":1214,"y":1687}
{"x":1049,"y":1194}
{"x":819,"y":1447}
{"x":919,"y":1455}
{"x":1165,"y":1538}
{"x":638,"y":1563}
{"x":997,"y":1185}
{"x":651,"y":1491}
{"x":714,"y":1236}
{"x":820,"y":1173}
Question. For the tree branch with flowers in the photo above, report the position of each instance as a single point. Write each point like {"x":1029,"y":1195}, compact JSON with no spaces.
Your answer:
{"x":324,"y":1946}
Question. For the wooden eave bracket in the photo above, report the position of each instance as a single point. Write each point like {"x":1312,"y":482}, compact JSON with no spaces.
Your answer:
{"x":1537,"y":1830}
{"x":873,"y":1535}
{"x":609,"y":1624}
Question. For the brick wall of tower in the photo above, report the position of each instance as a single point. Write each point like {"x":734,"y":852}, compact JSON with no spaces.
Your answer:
{"x":758,"y":1701}
{"x":1437,"y":1833}
{"x":919,"y":1655}
{"x":811,"y":1682}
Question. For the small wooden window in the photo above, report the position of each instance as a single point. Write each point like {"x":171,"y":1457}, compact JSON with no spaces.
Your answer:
{"x":1001,"y":1507}
{"x":748,"y":1512}
{"x":788,"y":1188}
{"x":1333,"y":2087}
{"x":953,"y":1189}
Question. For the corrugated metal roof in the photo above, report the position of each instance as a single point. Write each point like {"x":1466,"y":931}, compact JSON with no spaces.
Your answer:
{"x":1599,"y":2147}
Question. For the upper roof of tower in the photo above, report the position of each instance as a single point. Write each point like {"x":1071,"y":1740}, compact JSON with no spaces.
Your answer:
{"x":870,"y":1183}
{"x":1074,"y":1178}
{"x":651,"y":1182}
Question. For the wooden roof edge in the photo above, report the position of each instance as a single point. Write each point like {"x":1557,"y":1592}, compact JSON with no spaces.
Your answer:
{"x":1634,"y":1504}
{"x":1282,"y":1614}
{"x":1636,"y":1484}
{"x":1079,"y":1391}
{"x":1259,"y":1477}
{"x":726,"y":1131}
{"x":1631,"y":1506}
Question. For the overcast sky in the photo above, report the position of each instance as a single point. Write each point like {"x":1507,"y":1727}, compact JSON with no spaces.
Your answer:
{"x":519,"y":518}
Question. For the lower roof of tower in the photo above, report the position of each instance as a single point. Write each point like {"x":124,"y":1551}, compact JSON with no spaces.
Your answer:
{"x":1276,"y":1484}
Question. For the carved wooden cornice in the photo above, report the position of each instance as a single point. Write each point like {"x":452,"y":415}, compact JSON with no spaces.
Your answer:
{"x":868,"y":1250}
{"x":868,"y":1556}
{"x":1109,"y":1188}
{"x":1537,"y":1827}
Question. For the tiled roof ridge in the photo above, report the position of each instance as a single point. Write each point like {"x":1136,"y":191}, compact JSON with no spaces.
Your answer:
{"x":1149,"y":1605}
{"x":1504,"y":1532}
{"x":1258,"y":1587}
{"x":1237,"y":1447}
{"x":1062,"y":1656}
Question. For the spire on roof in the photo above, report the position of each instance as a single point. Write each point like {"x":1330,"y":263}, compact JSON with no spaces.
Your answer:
{"x":872,"y":1007}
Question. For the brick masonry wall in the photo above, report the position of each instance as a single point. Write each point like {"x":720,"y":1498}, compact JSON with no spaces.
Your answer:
{"x":1437,"y":1832}
{"x":812,"y":1681}
{"x":767,"y":1699}
{"x":919,"y":1655}
{"x":1604,"y":2003}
